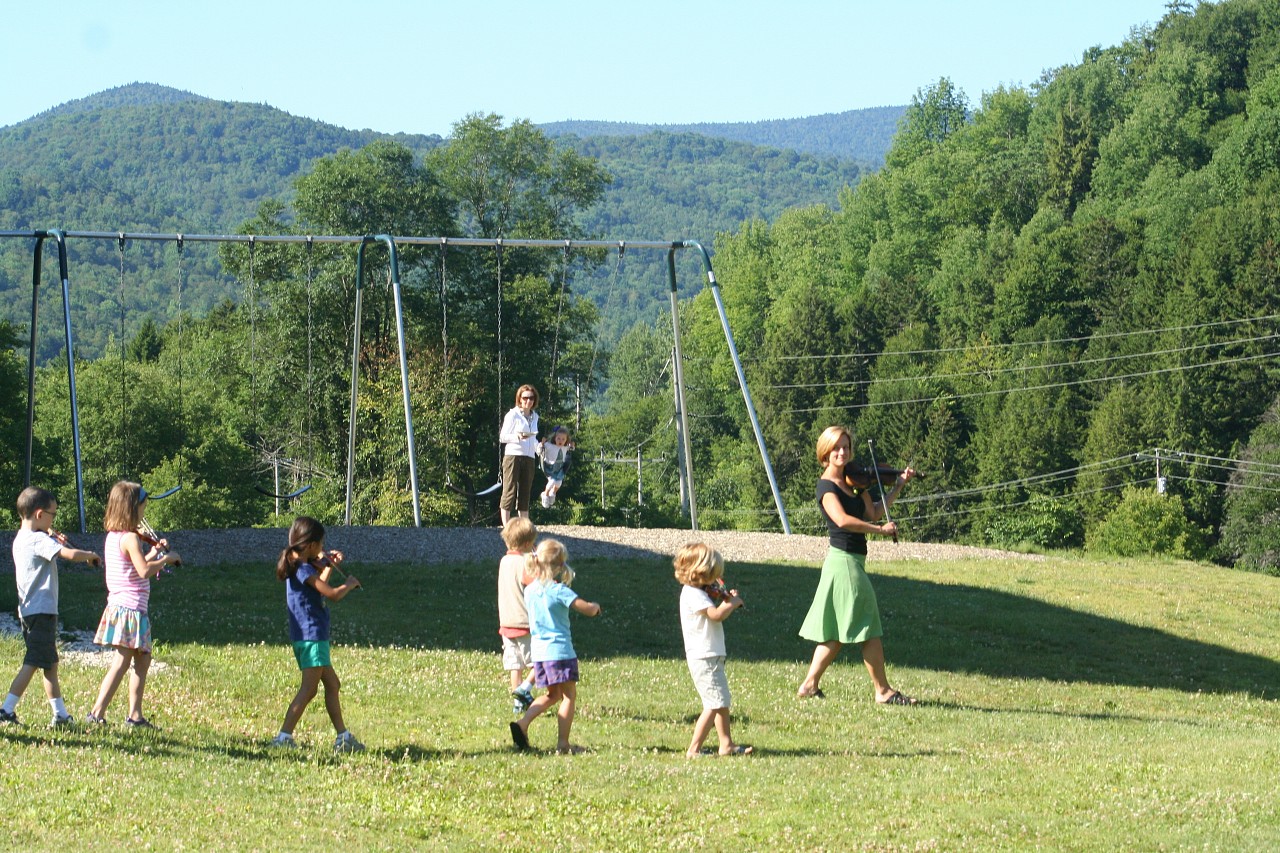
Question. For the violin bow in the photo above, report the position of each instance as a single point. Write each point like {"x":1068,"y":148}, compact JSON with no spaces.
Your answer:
{"x":328,"y":560}
{"x":65,"y":541}
{"x":884,"y":498}
{"x":152,"y":538}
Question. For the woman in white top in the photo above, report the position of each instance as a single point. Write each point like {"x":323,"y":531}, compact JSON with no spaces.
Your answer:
{"x":519,"y":435}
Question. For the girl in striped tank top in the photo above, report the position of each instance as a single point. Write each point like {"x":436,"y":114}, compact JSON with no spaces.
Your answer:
{"x":125,"y":625}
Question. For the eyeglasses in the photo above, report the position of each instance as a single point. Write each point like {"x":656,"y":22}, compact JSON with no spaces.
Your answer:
{"x":527,"y":397}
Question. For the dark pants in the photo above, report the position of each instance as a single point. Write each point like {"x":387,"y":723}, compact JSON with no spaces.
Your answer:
{"x":517,"y":483}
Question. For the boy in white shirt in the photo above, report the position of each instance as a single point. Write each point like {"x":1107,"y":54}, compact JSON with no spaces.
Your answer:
{"x":704,"y":605}
{"x":36,"y":549}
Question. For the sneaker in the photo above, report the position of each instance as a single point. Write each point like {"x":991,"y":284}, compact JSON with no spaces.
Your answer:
{"x":346,"y":742}
{"x":548,"y":501}
{"x":9,"y":718}
{"x":66,"y":721}
{"x":284,"y":740}
{"x":523,"y":699}
{"x":140,"y":723}
{"x":91,"y":720}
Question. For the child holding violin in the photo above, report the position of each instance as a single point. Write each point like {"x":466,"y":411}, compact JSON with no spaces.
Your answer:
{"x":704,"y":605}
{"x":125,"y":625}
{"x":306,"y":569}
{"x":36,"y":549}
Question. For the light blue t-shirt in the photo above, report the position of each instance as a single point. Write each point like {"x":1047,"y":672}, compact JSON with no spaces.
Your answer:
{"x":548,"y":605}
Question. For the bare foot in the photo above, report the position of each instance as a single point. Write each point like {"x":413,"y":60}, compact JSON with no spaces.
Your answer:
{"x":571,"y":749}
{"x":738,"y":749}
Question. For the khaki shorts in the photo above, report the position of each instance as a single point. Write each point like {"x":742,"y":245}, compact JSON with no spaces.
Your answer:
{"x":711,"y":681}
{"x":516,"y":654}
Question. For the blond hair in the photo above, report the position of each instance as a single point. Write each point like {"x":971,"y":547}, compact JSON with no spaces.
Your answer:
{"x":698,"y":564}
{"x":829,"y":439}
{"x":124,"y":506}
{"x":519,"y":534}
{"x":550,"y":562}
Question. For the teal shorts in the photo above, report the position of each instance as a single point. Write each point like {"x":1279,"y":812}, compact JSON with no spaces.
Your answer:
{"x":311,"y":653}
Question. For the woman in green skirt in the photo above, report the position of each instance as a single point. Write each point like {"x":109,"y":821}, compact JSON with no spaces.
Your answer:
{"x":844,"y":608}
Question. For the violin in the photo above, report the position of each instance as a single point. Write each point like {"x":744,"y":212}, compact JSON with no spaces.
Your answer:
{"x":148,"y":534}
{"x":63,"y":540}
{"x":863,"y":477}
{"x":332,"y":559}
{"x":719,"y":592}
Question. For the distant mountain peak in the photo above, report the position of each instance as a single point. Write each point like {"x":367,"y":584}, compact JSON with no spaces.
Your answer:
{"x":129,"y":95}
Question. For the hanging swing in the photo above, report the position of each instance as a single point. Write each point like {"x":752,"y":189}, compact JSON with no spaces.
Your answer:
{"x":444,"y":340}
{"x":124,"y":384}
{"x":275,"y":493}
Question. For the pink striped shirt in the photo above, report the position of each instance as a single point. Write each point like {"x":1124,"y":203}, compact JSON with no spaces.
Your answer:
{"x":124,"y":587}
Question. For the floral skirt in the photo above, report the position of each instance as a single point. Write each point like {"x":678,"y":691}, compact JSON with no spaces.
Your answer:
{"x":124,"y":626}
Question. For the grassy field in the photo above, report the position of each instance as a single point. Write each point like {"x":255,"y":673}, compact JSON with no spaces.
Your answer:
{"x":1069,"y":704}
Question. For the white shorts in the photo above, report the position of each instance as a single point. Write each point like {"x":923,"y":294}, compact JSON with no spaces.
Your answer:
{"x":712,"y":683}
{"x":516,"y":654}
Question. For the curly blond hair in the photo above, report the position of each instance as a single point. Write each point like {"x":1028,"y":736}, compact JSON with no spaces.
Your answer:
{"x":698,"y":564}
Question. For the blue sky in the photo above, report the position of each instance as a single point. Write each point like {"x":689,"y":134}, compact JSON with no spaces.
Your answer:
{"x":418,"y":67}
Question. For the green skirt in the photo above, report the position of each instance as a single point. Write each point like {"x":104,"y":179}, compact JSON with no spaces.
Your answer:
{"x":844,"y":608}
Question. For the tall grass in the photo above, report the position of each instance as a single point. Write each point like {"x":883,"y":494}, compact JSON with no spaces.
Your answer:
{"x":1069,"y":704}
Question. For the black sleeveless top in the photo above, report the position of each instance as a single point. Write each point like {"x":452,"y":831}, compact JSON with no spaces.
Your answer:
{"x":845,"y":540}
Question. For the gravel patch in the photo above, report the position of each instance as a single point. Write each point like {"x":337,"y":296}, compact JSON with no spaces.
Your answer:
{"x":429,"y":545}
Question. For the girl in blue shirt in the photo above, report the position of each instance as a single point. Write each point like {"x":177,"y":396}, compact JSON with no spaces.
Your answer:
{"x":305,"y":567}
{"x":549,"y":599}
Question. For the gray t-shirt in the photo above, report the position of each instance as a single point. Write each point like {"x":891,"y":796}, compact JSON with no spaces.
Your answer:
{"x":35,"y":567}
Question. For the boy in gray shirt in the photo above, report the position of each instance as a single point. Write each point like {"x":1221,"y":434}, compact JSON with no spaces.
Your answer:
{"x":36,"y":549}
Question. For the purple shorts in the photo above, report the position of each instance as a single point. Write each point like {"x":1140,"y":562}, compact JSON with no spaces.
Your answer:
{"x":549,"y":672}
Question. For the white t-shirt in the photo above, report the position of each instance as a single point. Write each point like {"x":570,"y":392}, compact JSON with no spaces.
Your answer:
{"x":35,"y":567}
{"x":703,"y":637}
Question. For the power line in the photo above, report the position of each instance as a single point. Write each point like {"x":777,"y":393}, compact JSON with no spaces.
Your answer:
{"x":1022,"y":368}
{"x":1040,"y":343}
{"x":1044,"y":387}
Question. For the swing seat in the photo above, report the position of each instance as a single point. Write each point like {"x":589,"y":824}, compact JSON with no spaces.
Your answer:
{"x":162,"y":495}
{"x":495,"y":487}
{"x":290,"y":496}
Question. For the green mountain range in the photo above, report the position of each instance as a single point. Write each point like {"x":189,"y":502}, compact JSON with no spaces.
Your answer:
{"x":149,"y":158}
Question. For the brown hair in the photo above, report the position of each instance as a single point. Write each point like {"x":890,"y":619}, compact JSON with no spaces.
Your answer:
{"x":829,"y":439}
{"x":519,"y":534}
{"x":698,"y":564}
{"x":302,"y":533}
{"x":549,"y":562}
{"x":124,"y":506}
{"x":34,"y":498}
{"x":520,"y":392}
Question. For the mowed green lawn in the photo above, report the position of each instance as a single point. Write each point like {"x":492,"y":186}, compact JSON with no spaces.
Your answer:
{"x":1068,"y":704}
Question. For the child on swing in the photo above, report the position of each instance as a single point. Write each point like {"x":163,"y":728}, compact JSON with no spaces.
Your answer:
{"x":306,"y":567}
{"x":553,"y":455}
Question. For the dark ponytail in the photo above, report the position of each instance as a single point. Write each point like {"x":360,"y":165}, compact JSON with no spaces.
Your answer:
{"x":304,"y":531}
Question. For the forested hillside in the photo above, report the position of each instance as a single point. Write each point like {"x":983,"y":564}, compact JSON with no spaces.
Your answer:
{"x":1039,"y":296}
{"x":1059,"y":303}
{"x":860,"y":135}
{"x":153,"y":159}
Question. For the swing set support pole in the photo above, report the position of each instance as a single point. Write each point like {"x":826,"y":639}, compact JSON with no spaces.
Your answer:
{"x":404,"y":376}
{"x":685,"y":451}
{"x":60,"y":238}
{"x":742,"y":379}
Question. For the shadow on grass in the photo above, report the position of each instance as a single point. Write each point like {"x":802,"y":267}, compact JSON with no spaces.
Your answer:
{"x":933,"y":626}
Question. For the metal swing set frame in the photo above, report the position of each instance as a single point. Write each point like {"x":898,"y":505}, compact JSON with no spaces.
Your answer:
{"x":688,"y":496}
